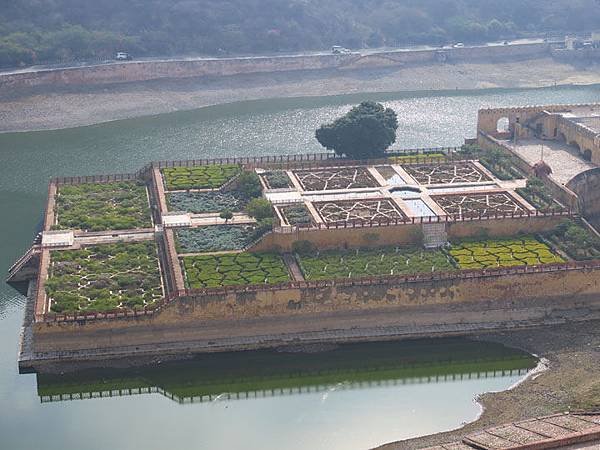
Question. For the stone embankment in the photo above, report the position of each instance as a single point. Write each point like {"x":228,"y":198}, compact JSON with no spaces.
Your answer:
{"x":219,"y":67}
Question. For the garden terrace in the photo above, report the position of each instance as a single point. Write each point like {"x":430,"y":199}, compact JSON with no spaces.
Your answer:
{"x":576,"y":240}
{"x":104,"y":278}
{"x":216,"y":238}
{"x":502,"y":164}
{"x":541,"y":198}
{"x":461,"y":206}
{"x":210,"y":271}
{"x":276,"y":179}
{"x":446,"y":173}
{"x":324,"y":179}
{"x":522,"y":251}
{"x":377,"y":262}
{"x":296,"y":215}
{"x":371,"y":210}
{"x":102,"y":206}
{"x":211,"y":176}
{"x":206,"y":202}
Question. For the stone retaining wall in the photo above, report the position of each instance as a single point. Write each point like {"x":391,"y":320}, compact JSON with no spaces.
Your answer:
{"x":195,"y":322}
{"x":219,"y":67}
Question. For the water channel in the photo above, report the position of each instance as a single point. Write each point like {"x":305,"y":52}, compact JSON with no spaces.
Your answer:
{"x":343,"y":405}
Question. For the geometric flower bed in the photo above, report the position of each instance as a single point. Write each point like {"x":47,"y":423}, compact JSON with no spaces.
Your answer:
{"x":233,"y":270}
{"x":103,"y":206}
{"x":445,"y":173}
{"x":335,"y":178}
{"x":215,"y":238}
{"x":502,"y":253}
{"x":475,"y":205}
{"x":297,"y":214}
{"x":358,"y":210}
{"x":104,"y":277}
{"x":209,"y":176}
{"x":205,"y":202}
{"x":366,"y":263}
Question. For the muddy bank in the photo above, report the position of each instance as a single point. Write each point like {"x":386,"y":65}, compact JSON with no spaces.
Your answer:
{"x":40,"y":109}
{"x":571,"y":382}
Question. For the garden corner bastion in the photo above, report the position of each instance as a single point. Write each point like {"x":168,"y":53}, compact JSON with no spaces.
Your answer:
{"x":235,"y":254}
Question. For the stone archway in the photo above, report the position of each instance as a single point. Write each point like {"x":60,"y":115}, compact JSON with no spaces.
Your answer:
{"x":587,"y":154}
{"x":561,"y":137}
{"x":503,"y":125}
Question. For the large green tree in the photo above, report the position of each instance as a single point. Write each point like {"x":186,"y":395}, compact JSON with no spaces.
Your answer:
{"x":366,"y":131}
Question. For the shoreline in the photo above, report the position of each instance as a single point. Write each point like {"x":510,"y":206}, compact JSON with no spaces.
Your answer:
{"x":54,"y":108}
{"x":569,"y":383}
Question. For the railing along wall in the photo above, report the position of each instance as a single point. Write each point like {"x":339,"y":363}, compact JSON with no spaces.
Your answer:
{"x":289,"y":229}
{"x":394,"y":280}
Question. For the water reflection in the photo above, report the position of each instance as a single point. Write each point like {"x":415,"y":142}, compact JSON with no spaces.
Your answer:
{"x":252,"y":375}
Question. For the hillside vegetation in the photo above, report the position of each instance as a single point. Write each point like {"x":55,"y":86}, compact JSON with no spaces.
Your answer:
{"x":54,"y":30}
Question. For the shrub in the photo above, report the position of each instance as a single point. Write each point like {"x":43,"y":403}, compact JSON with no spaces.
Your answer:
{"x":226,"y":214}
{"x":259,"y":208}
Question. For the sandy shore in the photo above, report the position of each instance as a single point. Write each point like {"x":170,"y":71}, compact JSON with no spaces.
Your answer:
{"x":571,"y":382}
{"x":52,"y":108}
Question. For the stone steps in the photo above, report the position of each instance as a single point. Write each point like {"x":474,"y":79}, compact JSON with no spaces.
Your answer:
{"x":434,"y":235}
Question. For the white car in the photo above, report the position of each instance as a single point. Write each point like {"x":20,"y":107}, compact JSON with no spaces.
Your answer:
{"x":123,"y":56}
{"x":458,"y":45}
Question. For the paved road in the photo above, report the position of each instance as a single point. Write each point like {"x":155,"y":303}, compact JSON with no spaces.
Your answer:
{"x":72,"y":65}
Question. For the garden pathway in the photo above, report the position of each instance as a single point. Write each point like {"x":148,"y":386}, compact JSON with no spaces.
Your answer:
{"x":293,"y":267}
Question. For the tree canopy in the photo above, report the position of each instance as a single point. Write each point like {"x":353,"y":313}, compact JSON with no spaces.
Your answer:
{"x":366,"y":131}
{"x":52,"y":30}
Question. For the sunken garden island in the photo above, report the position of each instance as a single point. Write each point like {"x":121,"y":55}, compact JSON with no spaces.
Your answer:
{"x":244,"y":253}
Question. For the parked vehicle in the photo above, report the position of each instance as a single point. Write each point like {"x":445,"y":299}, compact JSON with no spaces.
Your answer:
{"x":458,"y":45}
{"x":339,"y":50}
{"x":123,"y":56}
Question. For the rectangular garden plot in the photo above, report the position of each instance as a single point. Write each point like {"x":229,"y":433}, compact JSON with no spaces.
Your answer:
{"x":377,"y":262}
{"x":211,"y":271}
{"x":325,"y":179}
{"x":525,"y":251}
{"x":277,"y":179}
{"x":210,"y":176}
{"x":206,"y":202}
{"x":476,"y":205}
{"x":450,"y":173}
{"x":104,"y":278}
{"x":371,"y":210}
{"x":216,"y":238}
{"x":297,"y":214}
{"x":102,"y":206}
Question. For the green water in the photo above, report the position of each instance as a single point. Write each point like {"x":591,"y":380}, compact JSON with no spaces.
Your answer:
{"x":348,"y":414}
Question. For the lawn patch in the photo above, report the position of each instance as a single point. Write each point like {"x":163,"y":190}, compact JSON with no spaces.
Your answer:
{"x":526,"y":251}
{"x":104,"y":277}
{"x":376,"y":262}
{"x":210,"y":271}
{"x":210,"y":176}
{"x":103,"y":206}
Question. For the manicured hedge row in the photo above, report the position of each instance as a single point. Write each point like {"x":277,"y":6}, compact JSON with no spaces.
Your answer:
{"x":211,"y":176}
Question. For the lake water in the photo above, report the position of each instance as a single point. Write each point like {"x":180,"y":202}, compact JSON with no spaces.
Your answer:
{"x":336,"y":418}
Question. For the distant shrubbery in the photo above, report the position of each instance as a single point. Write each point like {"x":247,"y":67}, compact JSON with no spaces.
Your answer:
{"x":45,"y":30}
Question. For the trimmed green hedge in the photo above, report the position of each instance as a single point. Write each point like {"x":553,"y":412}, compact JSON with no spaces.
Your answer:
{"x":103,"y":206}
{"x":104,"y":277}
{"x":205,"y":202}
{"x":502,"y":253}
{"x":373,"y":262}
{"x":207,"y":271}
{"x":211,"y":176}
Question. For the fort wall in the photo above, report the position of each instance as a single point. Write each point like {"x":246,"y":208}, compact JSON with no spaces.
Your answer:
{"x":235,"y":320}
